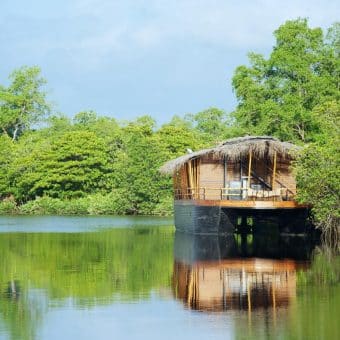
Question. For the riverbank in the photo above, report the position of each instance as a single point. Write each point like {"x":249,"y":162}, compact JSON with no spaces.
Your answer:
{"x":97,"y":204}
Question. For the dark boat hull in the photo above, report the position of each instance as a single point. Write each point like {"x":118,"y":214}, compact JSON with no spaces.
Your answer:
{"x":195,"y":218}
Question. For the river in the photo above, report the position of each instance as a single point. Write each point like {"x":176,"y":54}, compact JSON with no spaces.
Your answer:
{"x":136,"y":278}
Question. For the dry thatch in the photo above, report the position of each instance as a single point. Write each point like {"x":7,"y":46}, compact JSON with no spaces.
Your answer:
{"x":236,"y":148}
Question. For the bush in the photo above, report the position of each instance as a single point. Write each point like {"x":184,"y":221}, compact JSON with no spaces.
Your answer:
{"x":41,"y":206}
{"x":165,"y":207}
{"x":319,"y":185}
{"x":114,"y":203}
{"x":78,"y":206}
{"x":8,"y":206}
{"x":54,"y":206}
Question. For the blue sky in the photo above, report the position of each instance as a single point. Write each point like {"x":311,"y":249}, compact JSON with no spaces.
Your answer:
{"x":132,"y":57}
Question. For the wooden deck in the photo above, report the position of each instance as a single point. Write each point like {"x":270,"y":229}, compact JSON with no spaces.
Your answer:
{"x":244,"y":204}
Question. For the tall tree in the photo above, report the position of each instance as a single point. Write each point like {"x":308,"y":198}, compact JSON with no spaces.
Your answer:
{"x":213,"y":124}
{"x":277,"y":95}
{"x":177,"y":137}
{"x":23,"y":103}
{"x":68,"y":165}
{"x":317,"y":171}
{"x":7,"y":148}
{"x":137,"y":170}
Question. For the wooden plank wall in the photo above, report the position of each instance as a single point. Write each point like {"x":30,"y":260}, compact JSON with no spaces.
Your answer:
{"x":211,"y":176}
{"x":284,"y":174}
{"x":233,"y":171}
{"x":181,"y":182}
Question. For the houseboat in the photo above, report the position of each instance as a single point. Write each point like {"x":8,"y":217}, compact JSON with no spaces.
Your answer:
{"x":238,"y":183}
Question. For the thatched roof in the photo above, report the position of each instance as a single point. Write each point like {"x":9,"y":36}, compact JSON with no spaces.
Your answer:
{"x":236,"y":148}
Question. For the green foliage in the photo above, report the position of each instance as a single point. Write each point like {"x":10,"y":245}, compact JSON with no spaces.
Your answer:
{"x":140,"y":174}
{"x":69,"y":166}
{"x":294,"y":95}
{"x":85,"y":118}
{"x":213,"y":124}
{"x":318,"y":178}
{"x":277,"y":95}
{"x":93,"y":165}
{"x":8,"y":206}
{"x":7,"y":148}
{"x":164,"y":207}
{"x":113,"y":203}
{"x":317,"y":170}
{"x":23,"y":102}
{"x":175,"y":138}
{"x":55,"y":206}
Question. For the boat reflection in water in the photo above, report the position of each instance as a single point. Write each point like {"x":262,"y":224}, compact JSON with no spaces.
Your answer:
{"x":217,"y":273}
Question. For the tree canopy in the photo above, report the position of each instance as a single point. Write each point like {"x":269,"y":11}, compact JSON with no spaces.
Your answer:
{"x":23,"y":103}
{"x":277,"y":95}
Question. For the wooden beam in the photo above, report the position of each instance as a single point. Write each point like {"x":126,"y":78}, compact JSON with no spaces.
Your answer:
{"x":198,"y":174}
{"x":274,"y":170}
{"x":190,"y":180}
{"x":249,"y":169}
{"x":246,"y":204}
{"x":225,"y":172}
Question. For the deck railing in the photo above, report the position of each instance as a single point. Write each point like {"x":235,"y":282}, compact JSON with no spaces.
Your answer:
{"x":279,"y":194}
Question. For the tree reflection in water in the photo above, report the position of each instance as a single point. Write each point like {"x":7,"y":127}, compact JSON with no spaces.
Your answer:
{"x":262,"y":284}
{"x":42,"y":271}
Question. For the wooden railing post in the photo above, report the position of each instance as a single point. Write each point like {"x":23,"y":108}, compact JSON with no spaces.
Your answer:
{"x":274,"y":170}
{"x":249,"y":172}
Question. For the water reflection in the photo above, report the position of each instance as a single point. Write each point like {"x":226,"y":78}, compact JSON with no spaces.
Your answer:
{"x":40,"y":272}
{"x":86,"y":285}
{"x":216,"y":273}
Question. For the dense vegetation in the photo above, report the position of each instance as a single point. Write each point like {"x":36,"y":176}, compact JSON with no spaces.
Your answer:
{"x":295,"y":95}
{"x":90,"y":164}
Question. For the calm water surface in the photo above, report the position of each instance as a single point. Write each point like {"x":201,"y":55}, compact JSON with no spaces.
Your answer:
{"x":135,"y":278}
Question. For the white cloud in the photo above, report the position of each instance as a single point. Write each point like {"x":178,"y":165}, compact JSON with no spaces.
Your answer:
{"x":94,"y":30}
{"x":217,"y":22}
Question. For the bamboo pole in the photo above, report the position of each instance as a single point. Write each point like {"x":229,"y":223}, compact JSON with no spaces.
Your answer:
{"x":190,"y":179}
{"x":225,"y":176}
{"x":198,"y":166}
{"x":274,"y":169}
{"x":249,"y":169}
